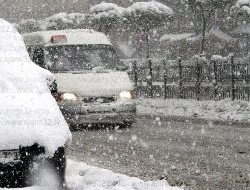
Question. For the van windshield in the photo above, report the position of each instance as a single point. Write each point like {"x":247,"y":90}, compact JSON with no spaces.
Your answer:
{"x":81,"y":57}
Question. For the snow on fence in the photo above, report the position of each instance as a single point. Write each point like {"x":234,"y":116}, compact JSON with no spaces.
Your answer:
{"x":200,"y":79}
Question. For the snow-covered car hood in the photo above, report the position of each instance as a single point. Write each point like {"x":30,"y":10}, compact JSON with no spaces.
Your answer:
{"x":94,"y":83}
{"x":28,"y":112}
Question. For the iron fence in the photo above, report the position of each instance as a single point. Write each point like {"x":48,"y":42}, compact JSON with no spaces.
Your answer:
{"x":198,"y":78}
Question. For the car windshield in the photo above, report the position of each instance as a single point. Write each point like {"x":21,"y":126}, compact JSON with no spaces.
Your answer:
{"x":81,"y":57}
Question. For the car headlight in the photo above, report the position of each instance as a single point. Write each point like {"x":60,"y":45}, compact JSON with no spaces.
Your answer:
{"x":68,"y":97}
{"x":128,"y":94}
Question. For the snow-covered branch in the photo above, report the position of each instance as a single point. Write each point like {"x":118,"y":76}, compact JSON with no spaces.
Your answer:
{"x":241,"y":7}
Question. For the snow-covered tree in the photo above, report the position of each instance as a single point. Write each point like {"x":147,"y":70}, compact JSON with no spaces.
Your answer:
{"x":145,"y":16}
{"x":30,"y":25}
{"x":58,"y":21}
{"x":240,"y":13}
{"x":203,"y":9}
{"x":63,"y":20}
{"x":104,"y":16}
{"x":241,"y":7}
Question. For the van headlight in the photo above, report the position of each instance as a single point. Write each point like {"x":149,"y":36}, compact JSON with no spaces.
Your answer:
{"x":68,"y":97}
{"x":128,"y":94}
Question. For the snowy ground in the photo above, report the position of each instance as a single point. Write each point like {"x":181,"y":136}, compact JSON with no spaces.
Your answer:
{"x":80,"y":176}
{"x":223,"y":110}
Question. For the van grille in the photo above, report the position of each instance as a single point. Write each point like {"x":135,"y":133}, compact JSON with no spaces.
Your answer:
{"x":99,"y":99}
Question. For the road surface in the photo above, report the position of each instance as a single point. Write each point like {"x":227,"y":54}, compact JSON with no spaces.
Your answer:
{"x":198,"y":156}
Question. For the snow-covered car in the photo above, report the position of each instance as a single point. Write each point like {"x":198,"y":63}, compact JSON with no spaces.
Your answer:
{"x":33,"y":132}
{"x":92,"y":82}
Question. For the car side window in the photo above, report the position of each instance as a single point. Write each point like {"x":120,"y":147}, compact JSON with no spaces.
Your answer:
{"x":38,"y":57}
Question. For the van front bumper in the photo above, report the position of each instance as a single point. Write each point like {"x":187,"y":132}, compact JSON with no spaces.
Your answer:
{"x":110,"y":113}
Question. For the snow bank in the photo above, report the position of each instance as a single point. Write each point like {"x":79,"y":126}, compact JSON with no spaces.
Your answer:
{"x":223,"y":110}
{"x":80,"y":176}
{"x":28,"y":112}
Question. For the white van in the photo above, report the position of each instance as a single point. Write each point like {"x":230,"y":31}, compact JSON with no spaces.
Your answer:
{"x":92,"y":83}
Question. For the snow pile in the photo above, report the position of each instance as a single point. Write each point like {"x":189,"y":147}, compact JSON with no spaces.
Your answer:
{"x":80,"y":176}
{"x":103,"y":10}
{"x":223,"y":110}
{"x":28,"y":112}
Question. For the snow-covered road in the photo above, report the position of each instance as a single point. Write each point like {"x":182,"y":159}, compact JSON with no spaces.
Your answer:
{"x":196,"y":155}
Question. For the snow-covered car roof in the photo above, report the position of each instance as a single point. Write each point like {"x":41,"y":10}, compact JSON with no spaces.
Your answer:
{"x":73,"y":37}
{"x":28,"y":112}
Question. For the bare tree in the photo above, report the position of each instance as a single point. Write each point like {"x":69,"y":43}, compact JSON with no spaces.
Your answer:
{"x":203,"y":9}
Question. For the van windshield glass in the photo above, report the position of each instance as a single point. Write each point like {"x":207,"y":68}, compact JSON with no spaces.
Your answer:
{"x":81,"y":57}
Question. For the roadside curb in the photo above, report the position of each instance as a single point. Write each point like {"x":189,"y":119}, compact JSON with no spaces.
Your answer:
{"x":195,"y":120}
